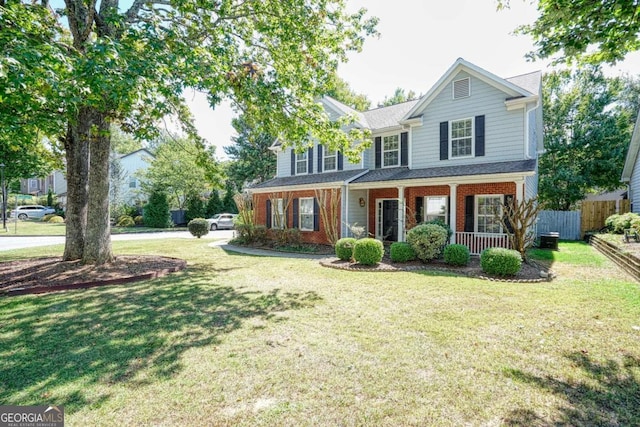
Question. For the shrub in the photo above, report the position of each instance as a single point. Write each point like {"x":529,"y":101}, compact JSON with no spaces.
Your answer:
{"x":344,"y":248}
{"x":198,"y":227}
{"x":402,"y":252}
{"x":156,"y":213}
{"x":139,"y":220}
{"x":47,"y":217}
{"x":368,"y":251}
{"x":442,"y":224}
{"x":286,"y":237}
{"x":500,"y":261}
{"x":55,"y":219}
{"x":427,"y":241}
{"x":195,"y":207}
{"x":125,"y":221}
{"x":457,"y":254}
{"x":609,"y":222}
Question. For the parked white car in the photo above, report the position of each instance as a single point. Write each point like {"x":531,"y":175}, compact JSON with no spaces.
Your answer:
{"x":221,"y":221}
{"x":31,"y":211}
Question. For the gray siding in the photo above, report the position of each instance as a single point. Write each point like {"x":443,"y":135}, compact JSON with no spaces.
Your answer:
{"x":356,"y":214}
{"x":634,"y":187}
{"x":284,"y":163}
{"x":504,"y":130}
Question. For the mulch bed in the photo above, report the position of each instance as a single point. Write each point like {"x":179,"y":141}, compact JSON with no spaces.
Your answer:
{"x":530,"y":273}
{"x":40,"y":275}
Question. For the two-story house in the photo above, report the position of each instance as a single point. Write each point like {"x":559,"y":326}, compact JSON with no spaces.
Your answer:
{"x":470,"y":143}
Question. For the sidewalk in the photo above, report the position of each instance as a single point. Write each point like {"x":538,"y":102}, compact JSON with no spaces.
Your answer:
{"x":225,"y":246}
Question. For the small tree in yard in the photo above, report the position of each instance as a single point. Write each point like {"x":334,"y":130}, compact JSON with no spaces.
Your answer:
{"x":518,"y":219}
{"x":156,"y":213}
{"x":195,"y":207}
{"x":329,"y":204}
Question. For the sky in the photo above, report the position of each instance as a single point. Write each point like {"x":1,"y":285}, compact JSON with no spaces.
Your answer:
{"x":419,"y":40}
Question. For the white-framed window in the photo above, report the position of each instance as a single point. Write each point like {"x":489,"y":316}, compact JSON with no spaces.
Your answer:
{"x":390,"y":151}
{"x":435,"y":207}
{"x":305,"y":211}
{"x":461,"y":88}
{"x":133,"y":183}
{"x":302,"y":163}
{"x":488,"y":211}
{"x":461,"y":138}
{"x":330,"y":160}
{"x":278,"y":218}
{"x":33,"y":184}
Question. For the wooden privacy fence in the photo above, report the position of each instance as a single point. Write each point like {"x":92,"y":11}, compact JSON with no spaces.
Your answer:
{"x":594,"y":213}
{"x":572,"y":225}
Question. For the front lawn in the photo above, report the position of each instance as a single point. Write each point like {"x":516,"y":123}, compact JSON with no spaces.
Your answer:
{"x":237,"y":340}
{"x":35,"y":227}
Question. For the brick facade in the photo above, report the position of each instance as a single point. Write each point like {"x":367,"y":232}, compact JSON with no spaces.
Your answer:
{"x":260,"y":207}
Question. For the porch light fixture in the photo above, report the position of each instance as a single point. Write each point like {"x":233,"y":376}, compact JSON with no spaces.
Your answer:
{"x":362,"y":202}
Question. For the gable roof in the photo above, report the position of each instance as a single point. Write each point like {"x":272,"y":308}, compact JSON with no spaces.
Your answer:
{"x":344,"y":109}
{"x":141,"y":151}
{"x":318,"y":178}
{"x":632,"y":153}
{"x":510,"y":88}
{"x":386,"y":117}
{"x":531,"y":82}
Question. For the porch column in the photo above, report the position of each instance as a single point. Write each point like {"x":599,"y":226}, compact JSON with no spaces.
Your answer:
{"x":401,"y":214}
{"x":519,"y":190}
{"x":453,"y":193}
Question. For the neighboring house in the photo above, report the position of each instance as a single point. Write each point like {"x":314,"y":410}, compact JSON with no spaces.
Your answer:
{"x":455,"y":154}
{"x":56,"y":181}
{"x":631,"y":171}
{"x":128,"y":184}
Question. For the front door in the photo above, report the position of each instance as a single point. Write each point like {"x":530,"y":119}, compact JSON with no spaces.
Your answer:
{"x":387,"y":220}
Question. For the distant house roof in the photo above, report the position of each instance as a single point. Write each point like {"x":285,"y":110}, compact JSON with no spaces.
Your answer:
{"x":140,"y":151}
{"x":608,"y":196}
{"x":403,"y":173}
{"x":318,"y":178}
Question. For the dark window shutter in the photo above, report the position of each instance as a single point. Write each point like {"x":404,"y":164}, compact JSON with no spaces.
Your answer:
{"x":404,"y":149}
{"x":469,"y":211}
{"x":378,"y":152}
{"x":268,"y":213}
{"x":444,"y":140}
{"x":508,"y":200}
{"x":479,"y":136}
{"x":310,"y":158}
{"x":449,"y":211}
{"x":293,"y":162}
{"x":340,"y":161}
{"x":296,"y":210}
{"x":316,"y":215}
{"x":319,"y":158}
{"x":419,"y":209}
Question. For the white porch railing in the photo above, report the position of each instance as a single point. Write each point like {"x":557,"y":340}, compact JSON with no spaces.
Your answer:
{"x":477,"y":242}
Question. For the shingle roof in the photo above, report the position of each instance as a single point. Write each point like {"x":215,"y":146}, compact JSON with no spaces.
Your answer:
{"x":530,"y":82}
{"x":403,"y":173}
{"x":318,"y":178}
{"x":384,"y":117}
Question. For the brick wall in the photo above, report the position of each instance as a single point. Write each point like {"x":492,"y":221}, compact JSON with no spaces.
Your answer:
{"x":473,"y":189}
{"x":259,"y":203}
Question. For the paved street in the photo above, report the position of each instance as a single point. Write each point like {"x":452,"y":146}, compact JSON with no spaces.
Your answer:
{"x":9,"y":242}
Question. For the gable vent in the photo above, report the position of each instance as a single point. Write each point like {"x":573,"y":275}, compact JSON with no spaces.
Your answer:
{"x":461,"y":88}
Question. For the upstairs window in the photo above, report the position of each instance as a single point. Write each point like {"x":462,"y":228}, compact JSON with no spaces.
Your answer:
{"x":330,"y":160}
{"x":390,"y":151}
{"x":133,"y":183}
{"x":488,"y":214}
{"x":461,"y":88}
{"x":461,"y":138}
{"x":301,"y":163}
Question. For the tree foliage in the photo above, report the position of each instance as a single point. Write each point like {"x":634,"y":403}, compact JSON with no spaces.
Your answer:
{"x":587,"y":128}
{"x":398,"y":97}
{"x":340,"y":90}
{"x":592,"y":32}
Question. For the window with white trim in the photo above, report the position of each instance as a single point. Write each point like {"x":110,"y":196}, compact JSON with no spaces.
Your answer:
{"x":278,"y":217}
{"x":390,"y":151}
{"x":330,"y":160}
{"x":133,"y":183}
{"x":461,"y":88}
{"x":461,"y":140}
{"x":33,"y":183}
{"x":305,"y":212}
{"x":302,"y":163}
{"x":435,"y":207}
{"x":488,"y":212}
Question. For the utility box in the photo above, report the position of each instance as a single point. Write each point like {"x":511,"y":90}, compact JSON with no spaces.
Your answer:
{"x":549,"y":240}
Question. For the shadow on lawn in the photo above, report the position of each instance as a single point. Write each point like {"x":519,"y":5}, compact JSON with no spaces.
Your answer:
{"x":611,"y":396}
{"x":53,"y":346}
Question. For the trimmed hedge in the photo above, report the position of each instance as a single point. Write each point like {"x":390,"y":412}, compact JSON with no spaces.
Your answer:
{"x":402,"y":252}
{"x":368,"y":251}
{"x":427,"y":240}
{"x":500,"y":261}
{"x":198,"y":227}
{"x":55,"y":219}
{"x":344,"y":248}
{"x":457,"y":255}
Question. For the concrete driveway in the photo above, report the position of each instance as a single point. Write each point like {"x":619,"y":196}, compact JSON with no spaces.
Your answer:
{"x":9,"y":242}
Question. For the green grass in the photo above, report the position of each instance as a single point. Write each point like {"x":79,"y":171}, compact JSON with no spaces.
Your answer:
{"x":36,"y":227}
{"x":237,"y":340}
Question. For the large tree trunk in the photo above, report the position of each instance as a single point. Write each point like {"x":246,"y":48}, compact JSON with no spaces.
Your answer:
{"x":97,"y":248}
{"x":77,"y":155}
